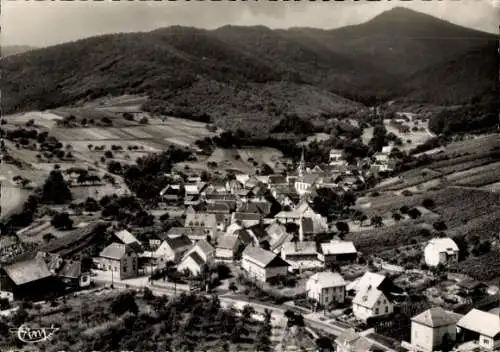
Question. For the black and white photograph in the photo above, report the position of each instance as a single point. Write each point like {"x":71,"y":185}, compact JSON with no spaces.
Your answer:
{"x":226,"y":176}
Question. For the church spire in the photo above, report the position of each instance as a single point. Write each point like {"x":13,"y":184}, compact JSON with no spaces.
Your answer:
{"x":302,"y":164}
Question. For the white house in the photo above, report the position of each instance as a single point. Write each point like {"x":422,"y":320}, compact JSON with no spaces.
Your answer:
{"x":300,"y":254}
{"x":263,"y":265}
{"x":481,"y":327}
{"x":441,"y":251}
{"x":336,"y":154}
{"x":326,"y":287}
{"x":202,"y":220}
{"x":191,"y":262}
{"x":172,"y":249}
{"x":371,"y":302}
{"x":204,"y":249}
{"x":431,"y":328}
{"x":120,"y":259}
{"x":128,"y":239}
{"x":227,"y":247}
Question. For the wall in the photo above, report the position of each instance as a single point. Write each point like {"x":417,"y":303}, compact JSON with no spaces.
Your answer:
{"x":422,"y":336}
{"x":224,"y":253}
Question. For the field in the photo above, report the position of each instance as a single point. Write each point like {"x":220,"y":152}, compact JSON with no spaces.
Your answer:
{"x":416,"y":137}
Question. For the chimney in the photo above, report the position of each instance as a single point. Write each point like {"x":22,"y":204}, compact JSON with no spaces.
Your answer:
{"x":301,"y":231}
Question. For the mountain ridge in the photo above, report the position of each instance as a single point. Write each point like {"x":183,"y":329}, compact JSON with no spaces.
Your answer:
{"x":234,"y":72}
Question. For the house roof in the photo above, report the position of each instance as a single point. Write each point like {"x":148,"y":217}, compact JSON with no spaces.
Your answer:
{"x":246,"y":216}
{"x":196,"y":258}
{"x":277,"y":179}
{"x":27,"y":271}
{"x":327,"y":279}
{"x":204,"y":246}
{"x":484,"y":323}
{"x":178,"y":242}
{"x":114,"y":251}
{"x":305,"y":248}
{"x":436,"y":317}
{"x":276,"y":229}
{"x":338,"y":247}
{"x":231,"y":229}
{"x":367,"y":296}
{"x":264,"y":258}
{"x":366,"y":280}
{"x":307,"y":225}
{"x":245,"y":235}
{"x":227,"y":242}
{"x":218,"y":207}
{"x":126,"y":237}
{"x":444,"y":244}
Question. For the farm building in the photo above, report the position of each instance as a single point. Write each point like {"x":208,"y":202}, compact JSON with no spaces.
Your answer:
{"x":27,"y":279}
{"x":192,"y":262}
{"x":326,"y":287}
{"x":125,"y":237}
{"x":300,"y":254}
{"x":441,"y":251}
{"x":371,"y":302}
{"x":204,"y":249}
{"x":337,"y":252}
{"x":482,"y":328}
{"x":263,"y":265}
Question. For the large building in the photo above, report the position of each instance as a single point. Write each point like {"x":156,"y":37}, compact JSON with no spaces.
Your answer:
{"x":263,"y":265}
{"x":482,"y":328}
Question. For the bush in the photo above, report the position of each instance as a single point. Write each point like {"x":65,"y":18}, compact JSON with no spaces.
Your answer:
{"x":428,"y":203}
{"x":62,"y":221}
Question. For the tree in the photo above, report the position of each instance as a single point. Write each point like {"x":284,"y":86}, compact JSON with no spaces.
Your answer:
{"x":377,"y":221}
{"x":439,"y":225}
{"x":397,"y":216}
{"x":48,"y":237}
{"x":247,"y":312}
{"x":62,"y":221}
{"x":428,"y":203}
{"x":404,"y":209}
{"x":342,"y":227}
{"x":266,"y":170}
{"x":124,"y":302}
{"x":414,"y":213}
{"x":55,"y":190}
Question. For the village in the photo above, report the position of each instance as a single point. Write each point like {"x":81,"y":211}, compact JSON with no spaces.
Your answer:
{"x":262,"y":239}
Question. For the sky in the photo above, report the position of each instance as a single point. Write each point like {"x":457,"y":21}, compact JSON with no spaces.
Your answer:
{"x":45,"y":23}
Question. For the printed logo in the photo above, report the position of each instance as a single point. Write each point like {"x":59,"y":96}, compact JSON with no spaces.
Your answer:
{"x":32,"y":335}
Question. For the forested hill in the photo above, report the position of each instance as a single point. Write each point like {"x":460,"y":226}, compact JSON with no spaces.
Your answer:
{"x":237,"y":74}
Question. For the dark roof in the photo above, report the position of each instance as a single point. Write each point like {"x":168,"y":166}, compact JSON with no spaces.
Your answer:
{"x":27,"y":271}
{"x":218,"y":208}
{"x":182,"y":231}
{"x":250,"y":207}
{"x":246,"y":216}
{"x":227,"y":242}
{"x":244,"y":236}
{"x":307,"y":225}
{"x":259,"y":231}
{"x":197,"y":259}
{"x":277,"y":179}
{"x":178,"y":242}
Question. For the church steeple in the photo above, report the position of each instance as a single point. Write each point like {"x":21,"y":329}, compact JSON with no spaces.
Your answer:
{"x":302,"y":165}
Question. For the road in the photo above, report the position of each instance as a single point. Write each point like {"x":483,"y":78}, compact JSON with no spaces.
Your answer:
{"x":277,"y":312}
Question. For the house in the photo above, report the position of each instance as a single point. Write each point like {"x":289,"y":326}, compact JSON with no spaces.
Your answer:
{"x":246,"y":217}
{"x":204,"y":249}
{"x":172,"y":193}
{"x":120,"y":259}
{"x":172,"y":249}
{"x":263,"y":265}
{"x":227,"y":247}
{"x":193,"y":233}
{"x":337,"y":251}
{"x":69,"y":272}
{"x":234,"y":186}
{"x":481,"y":327}
{"x":441,"y":251}
{"x":246,"y":236}
{"x":125,"y":237}
{"x":218,"y":208}
{"x":27,"y":278}
{"x":276,"y":180}
{"x":193,"y":263}
{"x":202,"y":220}
{"x":368,"y":278}
{"x":255,"y":207}
{"x":336,"y":158}
{"x":326,"y":287}
{"x":370,"y":302}
{"x":242,"y":178}
{"x":432,"y":328}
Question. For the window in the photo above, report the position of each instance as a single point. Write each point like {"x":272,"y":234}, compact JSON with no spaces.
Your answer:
{"x":386,"y":309}
{"x":124,"y":268}
{"x":486,"y":341}
{"x":376,"y":310}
